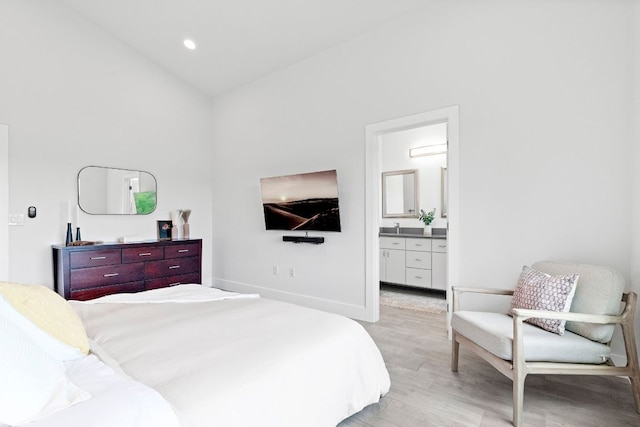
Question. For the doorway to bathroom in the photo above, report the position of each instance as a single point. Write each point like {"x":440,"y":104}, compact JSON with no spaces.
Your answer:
{"x":423,"y":149}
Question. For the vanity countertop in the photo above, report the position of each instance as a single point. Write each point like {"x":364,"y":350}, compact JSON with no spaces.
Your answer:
{"x":414,"y":235}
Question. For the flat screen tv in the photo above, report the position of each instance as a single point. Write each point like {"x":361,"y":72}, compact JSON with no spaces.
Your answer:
{"x":306,"y":201}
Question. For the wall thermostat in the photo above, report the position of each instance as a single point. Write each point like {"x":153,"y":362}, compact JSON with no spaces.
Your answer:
{"x":31,"y":211}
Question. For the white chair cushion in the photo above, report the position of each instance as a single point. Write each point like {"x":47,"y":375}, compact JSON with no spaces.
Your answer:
{"x":598,"y":291}
{"x":494,"y":332}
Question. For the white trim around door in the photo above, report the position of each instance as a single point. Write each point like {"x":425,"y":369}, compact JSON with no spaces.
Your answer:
{"x":373,"y":198}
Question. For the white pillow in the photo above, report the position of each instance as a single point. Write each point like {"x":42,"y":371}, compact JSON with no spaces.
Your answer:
{"x":52,"y":346}
{"x":34,"y":385}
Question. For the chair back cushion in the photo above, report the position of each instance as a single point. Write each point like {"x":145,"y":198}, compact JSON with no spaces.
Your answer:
{"x":599,"y":291}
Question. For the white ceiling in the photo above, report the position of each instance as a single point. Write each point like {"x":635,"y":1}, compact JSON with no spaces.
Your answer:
{"x":238,"y":40}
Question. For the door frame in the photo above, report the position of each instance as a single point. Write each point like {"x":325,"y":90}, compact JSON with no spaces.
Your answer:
{"x":373,"y":203}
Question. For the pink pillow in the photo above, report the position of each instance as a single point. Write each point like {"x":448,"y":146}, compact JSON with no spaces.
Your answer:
{"x":540,"y":291}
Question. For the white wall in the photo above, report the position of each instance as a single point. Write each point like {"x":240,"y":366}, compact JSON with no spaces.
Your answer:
{"x":545,"y":141}
{"x":395,"y":156}
{"x":74,"y":96}
{"x":4,"y":202}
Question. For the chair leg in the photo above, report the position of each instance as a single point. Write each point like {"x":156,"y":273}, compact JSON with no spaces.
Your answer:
{"x":518,"y":399}
{"x":635,"y":386}
{"x":455,"y":349}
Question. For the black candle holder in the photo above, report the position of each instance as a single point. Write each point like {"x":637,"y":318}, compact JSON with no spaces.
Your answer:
{"x":69,"y":234}
{"x":78,"y":238}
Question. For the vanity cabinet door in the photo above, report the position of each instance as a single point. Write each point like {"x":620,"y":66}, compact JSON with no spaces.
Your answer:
{"x":392,"y":266}
{"x":439,"y":270}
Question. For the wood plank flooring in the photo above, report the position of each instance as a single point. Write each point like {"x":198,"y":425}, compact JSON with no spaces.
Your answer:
{"x":424,"y":391}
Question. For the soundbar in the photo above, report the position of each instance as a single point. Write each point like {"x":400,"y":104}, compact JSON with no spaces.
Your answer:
{"x":303,"y":239}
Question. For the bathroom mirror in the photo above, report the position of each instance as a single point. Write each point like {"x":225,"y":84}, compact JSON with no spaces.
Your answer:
{"x":400,"y":194}
{"x":111,"y":191}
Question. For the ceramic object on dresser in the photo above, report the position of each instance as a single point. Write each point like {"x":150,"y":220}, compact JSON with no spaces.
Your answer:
{"x":185,"y":223}
{"x":175,"y":217}
{"x":427,"y":230}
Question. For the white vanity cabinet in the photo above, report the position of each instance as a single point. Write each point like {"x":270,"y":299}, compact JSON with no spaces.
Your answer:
{"x":392,"y":259}
{"x":413,"y":261}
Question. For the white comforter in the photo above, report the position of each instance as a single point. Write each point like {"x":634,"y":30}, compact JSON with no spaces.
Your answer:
{"x":227,"y":359}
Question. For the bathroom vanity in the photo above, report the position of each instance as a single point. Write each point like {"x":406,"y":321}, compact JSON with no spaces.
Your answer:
{"x":414,"y":260}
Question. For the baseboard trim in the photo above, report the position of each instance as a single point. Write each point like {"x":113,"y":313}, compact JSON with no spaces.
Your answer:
{"x":348,"y":310}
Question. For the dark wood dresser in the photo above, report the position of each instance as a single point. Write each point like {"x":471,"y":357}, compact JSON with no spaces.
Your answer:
{"x":86,"y":272}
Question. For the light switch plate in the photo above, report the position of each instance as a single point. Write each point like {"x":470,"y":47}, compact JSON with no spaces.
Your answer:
{"x":16,"y":219}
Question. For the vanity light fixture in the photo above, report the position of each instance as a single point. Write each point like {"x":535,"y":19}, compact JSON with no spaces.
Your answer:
{"x":428,"y":150}
{"x":189,"y":44}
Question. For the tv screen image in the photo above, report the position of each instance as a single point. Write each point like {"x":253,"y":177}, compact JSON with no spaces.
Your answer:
{"x":306,"y":201}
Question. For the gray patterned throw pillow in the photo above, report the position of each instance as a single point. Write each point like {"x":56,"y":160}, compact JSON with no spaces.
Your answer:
{"x":540,"y":291}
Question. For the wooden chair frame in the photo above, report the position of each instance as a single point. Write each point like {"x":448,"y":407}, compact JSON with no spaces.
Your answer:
{"x":518,"y":369}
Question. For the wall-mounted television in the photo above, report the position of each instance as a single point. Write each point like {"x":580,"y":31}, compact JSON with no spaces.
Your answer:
{"x":306,"y":201}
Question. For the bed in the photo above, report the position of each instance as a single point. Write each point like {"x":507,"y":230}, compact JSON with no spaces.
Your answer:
{"x":209,"y":357}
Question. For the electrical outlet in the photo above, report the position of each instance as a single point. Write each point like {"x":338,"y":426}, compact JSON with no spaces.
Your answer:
{"x":16,"y":219}
{"x":292,"y":272}
{"x":275,"y":270}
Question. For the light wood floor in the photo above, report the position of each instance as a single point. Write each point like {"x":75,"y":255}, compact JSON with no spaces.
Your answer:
{"x":424,"y":391}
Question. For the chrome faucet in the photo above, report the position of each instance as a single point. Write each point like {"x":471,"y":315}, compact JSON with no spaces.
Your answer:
{"x":397,"y":224}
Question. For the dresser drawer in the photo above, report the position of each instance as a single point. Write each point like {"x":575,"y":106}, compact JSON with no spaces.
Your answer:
{"x":179,"y":251}
{"x":101,"y":291}
{"x":141,"y":254}
{"x":180,"y":279}
{"x":171,"y":267}
{"x":82,"y":259}
{"x":439,"y":245}
{"x":418,"y":277}
{"x":392,"y":242}
{"x":415,"y":259}
{"x":108,"y":275}
{"x":423,"y":245}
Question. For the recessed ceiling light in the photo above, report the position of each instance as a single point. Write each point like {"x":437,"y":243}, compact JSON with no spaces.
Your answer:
{"x":189,"y":44}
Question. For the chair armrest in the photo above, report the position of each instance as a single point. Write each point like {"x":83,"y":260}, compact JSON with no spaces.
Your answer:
{"x":491,"y":291}
{"x":456,"y":291}
{"x":524,"y":314}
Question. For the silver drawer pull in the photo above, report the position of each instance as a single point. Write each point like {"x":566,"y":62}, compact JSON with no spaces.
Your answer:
{"x":145,"y":254}
{"x":418,"y":244}
{"x":171,"y":267}
{"x":174,"y":284}
{"x":418,"y":259}
{"x":98,"y":257}
{"x":110,"y":275}
{"x":442,"y":246}
{"x":418,"y":277}
{"x":396,"y":243}
{"x":183,"y":250}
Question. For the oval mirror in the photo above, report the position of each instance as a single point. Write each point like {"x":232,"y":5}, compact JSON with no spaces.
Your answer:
{"x":111,"y":191}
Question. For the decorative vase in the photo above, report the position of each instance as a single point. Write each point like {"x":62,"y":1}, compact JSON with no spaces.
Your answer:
{"x":78,"y":238}
{"x":69,"y":234}
{"x":185,"y":223}
{"x":427,"y":230}
{"x":174,"y":232}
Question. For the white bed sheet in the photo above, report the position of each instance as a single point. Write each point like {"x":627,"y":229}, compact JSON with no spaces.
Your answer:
{"x":116,"y":400}
{"x":237,"y":360}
